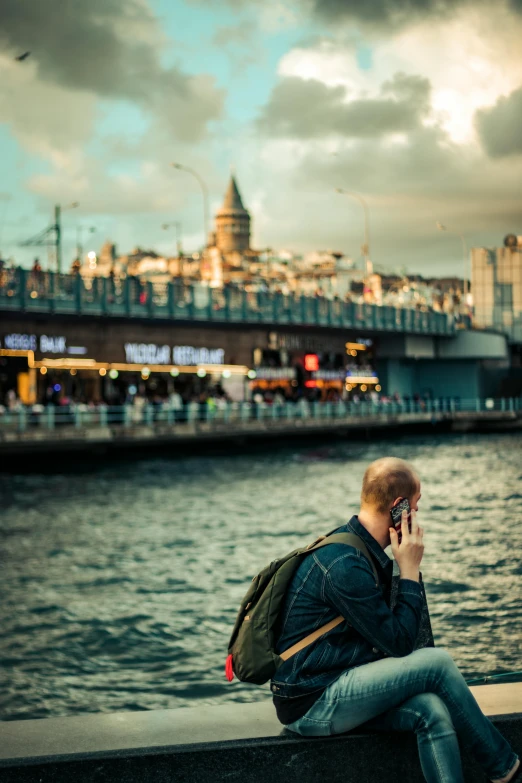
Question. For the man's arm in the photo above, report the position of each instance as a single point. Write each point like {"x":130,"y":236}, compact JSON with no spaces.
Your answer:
{"x":352,"y":591}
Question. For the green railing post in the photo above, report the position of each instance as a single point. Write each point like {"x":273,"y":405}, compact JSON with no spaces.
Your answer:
{"x":22,"y":283}
{"x":170,"y":299}
{"x":22,"y":419}
{"x":103,"y":416}
{"x":502,"y":405}
{"x":49,"y":417}
{"x":51,"y":296}
{"x":77,"y":418}
{"x":150,"y":298}
{"x":226,"y":296}
{"x":302,"y":305}
{"x":103,"y":302}
{"x":275,"y":307}
{"x":78,"y":282}
{"x":316,"y":309}
{"x":191,"y":303}
{"x":127,"y":295}
{"x":244,"y":305}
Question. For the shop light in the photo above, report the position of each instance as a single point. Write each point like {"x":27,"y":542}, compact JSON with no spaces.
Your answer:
{"x":73,"y":371}
{"x":113,"y":374}
{"x":226,"y":374}
{"x":201,"y":372}
{"x":102,"y":371}
{"x":311,"y":362}
{"x":57,"y":387}
{"x":378,"y":388}
{"x":251,"y":374}
{"x":353,"y":352}
{"x":145,"y":373}
{"x":174,"y":372}
{"x":132,"y":389}
{"x":363,"y":387}
{"x":356,"y":347}
{"x":43,"y":370}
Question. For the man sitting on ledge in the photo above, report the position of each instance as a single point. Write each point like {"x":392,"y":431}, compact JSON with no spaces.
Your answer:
{"x":366,"y":670}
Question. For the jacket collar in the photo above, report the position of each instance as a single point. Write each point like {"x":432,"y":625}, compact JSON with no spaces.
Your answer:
{"x":354,"y":526}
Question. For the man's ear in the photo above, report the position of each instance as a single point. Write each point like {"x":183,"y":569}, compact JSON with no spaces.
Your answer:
{"x":396,"y":502}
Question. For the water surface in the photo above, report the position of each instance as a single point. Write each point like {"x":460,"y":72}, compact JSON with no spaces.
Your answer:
{"x":121,"y":583}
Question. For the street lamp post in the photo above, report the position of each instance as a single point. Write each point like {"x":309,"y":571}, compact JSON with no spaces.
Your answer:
{"x":79,"y":239}
{"x":58,"y":232}
{"x":366,"y":247}
{"x":441,"y":227}
{"x":177,"y":226}
{"x":204,"y":191}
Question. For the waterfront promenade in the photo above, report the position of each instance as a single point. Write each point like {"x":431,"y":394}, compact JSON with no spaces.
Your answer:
{"x":235,"y":742}
{"x":126,"y":427}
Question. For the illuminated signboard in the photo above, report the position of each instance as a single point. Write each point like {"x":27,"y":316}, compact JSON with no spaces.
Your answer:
{"x":20,"y":342}
{"x":147,"y":353}
{"x":275,"y":373}
{"x":311,"y":362}
{"x":30,"y":342}
{"x":188,"y":355}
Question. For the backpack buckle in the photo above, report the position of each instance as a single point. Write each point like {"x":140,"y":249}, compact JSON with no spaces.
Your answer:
{"x":317,"y":540}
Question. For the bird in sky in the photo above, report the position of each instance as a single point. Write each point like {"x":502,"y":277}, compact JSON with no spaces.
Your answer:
{"x":22,"y":57}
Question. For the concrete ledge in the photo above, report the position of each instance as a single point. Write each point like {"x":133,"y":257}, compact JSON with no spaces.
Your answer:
{"x":236,"y":742}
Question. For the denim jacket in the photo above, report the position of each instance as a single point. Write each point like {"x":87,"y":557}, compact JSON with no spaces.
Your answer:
{"x":338,"y":579}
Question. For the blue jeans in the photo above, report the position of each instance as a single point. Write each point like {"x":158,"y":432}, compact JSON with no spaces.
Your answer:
{"x":422,"y":692}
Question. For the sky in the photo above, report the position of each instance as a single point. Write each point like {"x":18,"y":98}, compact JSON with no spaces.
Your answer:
{"x":416,"y":105}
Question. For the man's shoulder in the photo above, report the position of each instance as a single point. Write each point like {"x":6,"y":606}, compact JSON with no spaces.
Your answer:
{"x":338,"y":552}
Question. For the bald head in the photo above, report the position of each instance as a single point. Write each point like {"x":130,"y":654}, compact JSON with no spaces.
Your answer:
{"x":385,"y":480}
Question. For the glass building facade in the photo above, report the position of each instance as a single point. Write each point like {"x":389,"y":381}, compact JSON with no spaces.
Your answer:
{"x":497,"y":289}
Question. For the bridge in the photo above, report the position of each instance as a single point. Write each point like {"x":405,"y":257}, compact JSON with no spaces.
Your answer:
{"x":49,"y":293}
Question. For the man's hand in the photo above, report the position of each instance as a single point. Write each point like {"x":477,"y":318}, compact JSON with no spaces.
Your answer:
{"x":409,"y":552}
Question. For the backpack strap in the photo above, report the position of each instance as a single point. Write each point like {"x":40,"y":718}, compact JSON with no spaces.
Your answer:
{"x":349,"y":539}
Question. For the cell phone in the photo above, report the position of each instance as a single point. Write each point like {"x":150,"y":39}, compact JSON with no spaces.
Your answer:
{"x":396,"y":515}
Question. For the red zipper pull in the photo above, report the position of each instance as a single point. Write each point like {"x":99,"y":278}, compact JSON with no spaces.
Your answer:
{"x":229,"y":671}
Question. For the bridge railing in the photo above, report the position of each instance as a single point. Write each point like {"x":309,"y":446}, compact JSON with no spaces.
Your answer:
{"x":82,"y":416}
{"x":48,"y":292}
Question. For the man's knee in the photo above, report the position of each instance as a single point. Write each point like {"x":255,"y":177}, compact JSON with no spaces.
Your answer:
{"x":438,"y":658}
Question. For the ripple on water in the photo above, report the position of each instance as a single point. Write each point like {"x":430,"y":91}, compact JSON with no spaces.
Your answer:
{"x":121,"y":585}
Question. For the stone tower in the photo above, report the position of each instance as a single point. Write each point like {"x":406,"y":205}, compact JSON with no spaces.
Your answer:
{"x":232,"y":222}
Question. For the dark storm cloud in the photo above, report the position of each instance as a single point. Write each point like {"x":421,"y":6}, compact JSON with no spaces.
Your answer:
{"x":306,"y":109}
{"x":382,"y":15}
{"x":396,"y":13}
{"x":499,"y":127}
{"x":110,"y":48}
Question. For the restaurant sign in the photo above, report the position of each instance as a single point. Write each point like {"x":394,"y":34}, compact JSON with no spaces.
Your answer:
{"x":150,"y":353}
{"x":31,"y":342}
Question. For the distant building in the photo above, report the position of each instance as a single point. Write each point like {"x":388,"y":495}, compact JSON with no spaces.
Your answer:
{"x":232,"y":222}
{"x":497,"y":286}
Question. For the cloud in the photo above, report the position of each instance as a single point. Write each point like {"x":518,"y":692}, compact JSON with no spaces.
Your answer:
{"x":242,"y":34}
{"x":305,"y":109}
{"x":499,"y":126}
{"x":110,"y":49}
{"x":378,"y":16}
